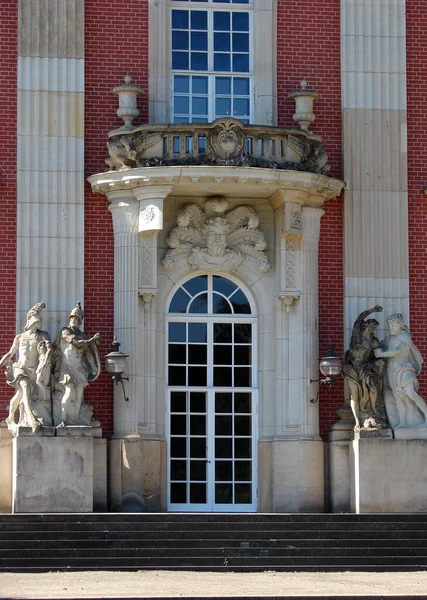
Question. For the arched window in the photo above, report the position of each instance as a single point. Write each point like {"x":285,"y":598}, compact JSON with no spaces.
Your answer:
{"x":211,"y":376}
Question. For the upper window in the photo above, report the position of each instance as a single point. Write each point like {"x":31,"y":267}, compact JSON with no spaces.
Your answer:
{"x":211,"y":62}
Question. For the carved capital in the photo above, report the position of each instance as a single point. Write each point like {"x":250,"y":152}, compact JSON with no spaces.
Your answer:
{"x":289,"y":299}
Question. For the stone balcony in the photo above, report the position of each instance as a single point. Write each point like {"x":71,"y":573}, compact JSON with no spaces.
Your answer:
{"x":225,"y":142}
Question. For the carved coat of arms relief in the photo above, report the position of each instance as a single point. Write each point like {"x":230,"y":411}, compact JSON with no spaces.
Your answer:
{"x":216,"y":238}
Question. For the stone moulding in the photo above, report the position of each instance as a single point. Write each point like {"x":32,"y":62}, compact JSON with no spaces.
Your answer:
{"x":225,"y":141}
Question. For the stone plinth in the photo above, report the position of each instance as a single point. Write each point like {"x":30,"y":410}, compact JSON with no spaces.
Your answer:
{"x":52,"y":474}
{"x":388,"y":475}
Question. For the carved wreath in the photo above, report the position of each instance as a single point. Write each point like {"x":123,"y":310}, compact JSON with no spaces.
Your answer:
{"x":212,"y":239}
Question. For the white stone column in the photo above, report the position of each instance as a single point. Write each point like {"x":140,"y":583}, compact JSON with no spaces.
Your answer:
{"x":373,"y":58}
{"x":124,"y":209}
{"x":297,"y":448}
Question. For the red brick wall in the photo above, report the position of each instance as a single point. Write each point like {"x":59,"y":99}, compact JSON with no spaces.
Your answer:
{"x":308,"y":40}
{"x":116,"y":43}
{"x":416,"y":47}
{"x":8,"y":78}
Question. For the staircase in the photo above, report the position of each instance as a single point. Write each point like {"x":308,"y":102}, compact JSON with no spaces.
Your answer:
{"x":213,"y":542}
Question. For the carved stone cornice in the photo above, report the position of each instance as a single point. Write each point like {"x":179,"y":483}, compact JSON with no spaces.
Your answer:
{"x":278,"y":186}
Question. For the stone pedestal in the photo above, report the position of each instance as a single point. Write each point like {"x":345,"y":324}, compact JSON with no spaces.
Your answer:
{"x":388,"y":475}
{"x":58,"y":474}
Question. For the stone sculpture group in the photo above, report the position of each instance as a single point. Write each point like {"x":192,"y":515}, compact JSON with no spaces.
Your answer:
{"x":382,"y":376}
{"x":49,"y":379}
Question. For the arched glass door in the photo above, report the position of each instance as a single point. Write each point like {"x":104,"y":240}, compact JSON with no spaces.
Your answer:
{"x":212,"y":397}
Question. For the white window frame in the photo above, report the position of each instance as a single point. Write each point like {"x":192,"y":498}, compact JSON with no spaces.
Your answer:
{"x":263,"y":52}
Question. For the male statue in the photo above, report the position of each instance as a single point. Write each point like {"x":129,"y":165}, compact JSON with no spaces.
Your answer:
{"x":404,"y":406}
{"x":76,"y":363}
{"x":29,"y":374}
{"x":364,"y":373}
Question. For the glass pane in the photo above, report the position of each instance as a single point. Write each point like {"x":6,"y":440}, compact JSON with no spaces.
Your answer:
{"x":178,"y":493}
{"x":199,"y":106}
{"x":240,"y":86}
{"x":198,"y":447}
{"x":222,"y":355}
{"x":222,"y":86}
{"x":198,"y":424}
{"x":199,"y":85}
{"x":222,"y":377}
{"x":181,"y":84}
{"x":199,"y":61}
{"x":222,"y":332}
{"x":177,"y":332}
{"x":221,"y":21}
{"x":198,"y":470}
{"x":240,"y":1}
{"x":242,"y":355}
{"x":197,"y":402}
{"x":181,"y":104}
{"x":223,"y":448}
{"x":177,"y":376}
{"x":198,"y":493}
{"x":178,"y":401}
{"x":221,"y":284}
{"x":241,"y":63}
{"x":178,"y":425}
{"x":199,"y":40}
{"x":243,"y":493}
{"x":177,"y":354}
{"x":242,"y":402}
{"x":223,"y":403}
{"x":199,"y":304}
{"x":243,"y":333}
{"x":179,"y":302}
{"x":180,"y":60}
{"x":199,"y":19}
{"x":242,"y":377}
{"x":221,"y":305}
{"x":197,"y":355}
{"x":240,"y":42}
{"x":197,"y":376}
{"x":241,"y":107}
{"x":221,"y":62}
{"x":223,"y":470}
{"x":197,"y":332}
{"x":242,"y":470}
{"x":180,"y":19}
{"x":180,"y":40}
{"x":197,"y":284}
{"x":178,"y":448}
{"x":178,"y":120}
{"x":223,"y":493}
{"x":240,"y":21}
{"x":223,"y":106}
{"x":223,"y":425}
{"x":242,"y":448}
{"x":222,"y":42}
{"x":242,"y":425}
{"x":178,"y":470}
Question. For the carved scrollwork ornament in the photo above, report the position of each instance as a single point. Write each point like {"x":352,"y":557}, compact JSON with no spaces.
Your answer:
{"x":226,"y":141}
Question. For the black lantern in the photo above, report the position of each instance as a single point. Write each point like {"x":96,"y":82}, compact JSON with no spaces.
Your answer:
{"x":330,"y":366}
{"x":116,"y":363}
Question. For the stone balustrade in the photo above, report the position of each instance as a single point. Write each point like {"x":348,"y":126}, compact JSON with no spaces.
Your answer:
{"x":226,"y":141}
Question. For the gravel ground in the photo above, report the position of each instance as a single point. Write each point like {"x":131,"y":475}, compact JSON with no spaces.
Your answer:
{"x":163,"y":584}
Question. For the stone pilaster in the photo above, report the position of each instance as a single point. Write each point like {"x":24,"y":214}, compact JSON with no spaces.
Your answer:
{"x":373,"y":42}
{"x":124,"y":209}
{"x":50,"y":121}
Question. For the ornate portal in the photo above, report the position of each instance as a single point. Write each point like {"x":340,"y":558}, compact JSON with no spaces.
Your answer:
{"x":214,"y":239}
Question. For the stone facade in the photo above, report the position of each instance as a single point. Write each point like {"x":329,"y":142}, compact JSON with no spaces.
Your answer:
{"x":309,"y":259}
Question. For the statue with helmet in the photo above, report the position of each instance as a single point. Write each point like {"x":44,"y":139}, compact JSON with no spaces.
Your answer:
{"x":76,"y":363}
{"x":29,"y":374}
